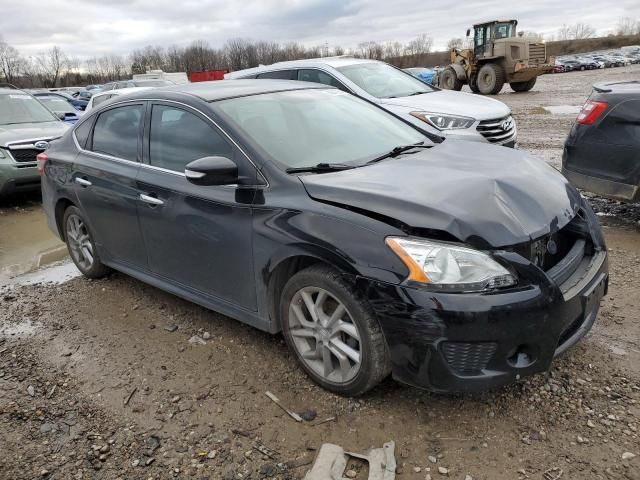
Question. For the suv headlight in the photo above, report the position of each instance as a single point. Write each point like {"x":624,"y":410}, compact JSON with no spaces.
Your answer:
{"x":444,"y":122}
{"x":450,"y":267}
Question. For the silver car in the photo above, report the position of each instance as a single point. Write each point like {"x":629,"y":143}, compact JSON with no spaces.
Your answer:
{"x":449,"y":113}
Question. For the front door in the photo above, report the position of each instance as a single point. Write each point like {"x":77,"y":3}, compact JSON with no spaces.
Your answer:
{"x":199,"y":237}
{"x":104,"y":179}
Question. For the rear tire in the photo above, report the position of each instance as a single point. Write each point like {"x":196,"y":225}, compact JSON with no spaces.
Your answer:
{"x":81,"y":245}
{"x":333,"y":332}
{"x":449,"y":80}
{"x":473,"y":84}
{"x":523,"y":86}
{"x":490,"y":79}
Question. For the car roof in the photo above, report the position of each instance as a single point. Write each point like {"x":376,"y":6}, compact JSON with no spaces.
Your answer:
{"x":224,"y":89}
{"x":628,"y":86}
{"x":335,"y":62}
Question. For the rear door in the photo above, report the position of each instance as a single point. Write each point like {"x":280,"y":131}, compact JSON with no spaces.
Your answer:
{"x":104,"y":179}
{"x":199,"y":237}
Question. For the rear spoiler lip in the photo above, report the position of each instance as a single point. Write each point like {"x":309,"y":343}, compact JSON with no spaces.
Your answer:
{"x":606,"y":87}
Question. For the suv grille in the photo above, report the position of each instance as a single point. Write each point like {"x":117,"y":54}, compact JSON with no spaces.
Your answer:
{"x":25,"y":154}
{"x":498,"y":130}
{"x":537,"y":53}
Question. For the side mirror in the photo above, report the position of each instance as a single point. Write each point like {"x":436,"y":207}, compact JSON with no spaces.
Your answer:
{"x":468,"y":32}
{"x":61,"y":115}
{"x":212,"y":171}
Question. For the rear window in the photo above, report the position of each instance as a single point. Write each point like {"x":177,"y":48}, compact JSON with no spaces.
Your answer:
{"x":116,"y":132}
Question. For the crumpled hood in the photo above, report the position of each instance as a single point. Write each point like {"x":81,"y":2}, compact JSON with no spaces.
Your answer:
{"x":455,"y":103}
{"x":31,"y":131}
{"x":487,"y":196}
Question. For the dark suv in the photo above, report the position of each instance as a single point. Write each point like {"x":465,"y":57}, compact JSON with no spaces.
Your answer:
{"x":371,"y":248}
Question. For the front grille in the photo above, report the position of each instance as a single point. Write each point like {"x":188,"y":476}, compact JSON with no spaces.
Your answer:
{"x":497,"y":130}
{"x":468,"y":358}
{"x":25,"y":154}
{"x":537,"y":53}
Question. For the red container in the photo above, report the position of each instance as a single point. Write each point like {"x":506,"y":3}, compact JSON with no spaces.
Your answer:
{"x":207,"y":75}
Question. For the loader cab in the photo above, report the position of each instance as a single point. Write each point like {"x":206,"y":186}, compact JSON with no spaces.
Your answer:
{"x":485,"y":34}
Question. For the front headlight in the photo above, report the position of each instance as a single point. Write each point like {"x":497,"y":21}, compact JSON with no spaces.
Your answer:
{"x":450,"y":267}
{"x":444,"y":122}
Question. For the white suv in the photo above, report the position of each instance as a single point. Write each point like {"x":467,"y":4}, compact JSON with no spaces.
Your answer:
{"x":453,"y":114}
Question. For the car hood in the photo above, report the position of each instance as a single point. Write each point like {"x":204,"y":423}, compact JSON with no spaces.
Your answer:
{"x":455,"y":103}
{"x":483,"y":195}
{"x":31,"y":131}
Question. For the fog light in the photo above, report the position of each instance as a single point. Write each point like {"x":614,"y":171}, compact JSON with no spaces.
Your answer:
{"x":522,"y":357}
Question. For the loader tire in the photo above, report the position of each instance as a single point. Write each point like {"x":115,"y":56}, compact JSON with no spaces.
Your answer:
{"x":490,"y":79}
{"x":523,"y":86}
{"x":473,"y":84}
{"x":449,"y":80}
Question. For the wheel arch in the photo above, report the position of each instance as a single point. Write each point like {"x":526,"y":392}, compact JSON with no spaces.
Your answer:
{"x":61,"y":206}
{"x":283,"y":267}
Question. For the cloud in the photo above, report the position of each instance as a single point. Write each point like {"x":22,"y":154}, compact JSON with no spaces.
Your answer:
{"x":85,"y":28}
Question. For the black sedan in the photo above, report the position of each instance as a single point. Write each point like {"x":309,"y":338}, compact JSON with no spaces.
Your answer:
{"x":602,"y":151}
{"x":301,"y":209}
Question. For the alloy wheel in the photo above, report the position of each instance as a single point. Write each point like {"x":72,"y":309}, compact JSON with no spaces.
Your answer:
{"x":325,"y":335}
{"x":79,"y":241}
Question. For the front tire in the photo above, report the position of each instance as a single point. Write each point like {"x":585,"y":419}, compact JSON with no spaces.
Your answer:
{"x":490,"y":79}
{"x":333,"y":332}
{"x":523,"y":86}
{"x":449,"y":80}
{"x":81,"y":245}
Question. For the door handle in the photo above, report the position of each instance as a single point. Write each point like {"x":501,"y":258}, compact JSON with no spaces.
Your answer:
{"x":83,"y":181}
{"x":155,"y":201}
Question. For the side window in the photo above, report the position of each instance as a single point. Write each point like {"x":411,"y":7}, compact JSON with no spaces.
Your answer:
{"x":318,"y":76}
{"x":279,"y":75}
{"x":116,"y":132}
{"x":82,"y":133}
{"x":178,"y":137}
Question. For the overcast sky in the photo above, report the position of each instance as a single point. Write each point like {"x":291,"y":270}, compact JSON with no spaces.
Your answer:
{"x":85,"y":28}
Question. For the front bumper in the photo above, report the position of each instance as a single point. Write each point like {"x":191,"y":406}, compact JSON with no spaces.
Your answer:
{"x":450,"y":342}
{"x":14,"y":179}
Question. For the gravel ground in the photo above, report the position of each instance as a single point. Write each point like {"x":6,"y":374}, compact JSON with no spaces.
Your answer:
{"x":98,"y":379}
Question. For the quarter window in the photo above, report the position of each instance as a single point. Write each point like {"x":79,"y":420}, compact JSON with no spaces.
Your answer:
{"x":178,"y":137}
{"x":279,"y":75}
{"x":116,"y":132}
{"x":318,"y":76}
{"x":82,"y":133}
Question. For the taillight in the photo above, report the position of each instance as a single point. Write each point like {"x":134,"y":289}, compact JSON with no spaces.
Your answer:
{"x":42,"y":159}
{"x":590,"y":112}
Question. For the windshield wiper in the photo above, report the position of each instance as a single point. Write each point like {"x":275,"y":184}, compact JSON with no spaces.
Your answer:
{"x":320,"y":168}
{"x":397,"y":151}
{"x":416,"y":93}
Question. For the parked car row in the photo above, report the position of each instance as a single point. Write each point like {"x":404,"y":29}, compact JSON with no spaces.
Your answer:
{"x":596,"y":60}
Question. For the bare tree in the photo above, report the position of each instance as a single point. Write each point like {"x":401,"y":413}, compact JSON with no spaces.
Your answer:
{"x":420,"y":45}
{"x":564,"y":33}
{"x":338,"y":50}
{"x":455,"y":43}
{"x":51,"y":65}
{"x":10,"y":61}
{"x":628,"y":26}
{"x":582,"y":30}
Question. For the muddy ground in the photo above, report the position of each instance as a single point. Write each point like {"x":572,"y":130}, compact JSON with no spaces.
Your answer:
{"x":98,"y":378}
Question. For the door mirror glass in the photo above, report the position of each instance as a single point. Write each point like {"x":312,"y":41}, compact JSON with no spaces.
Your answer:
{"x":468,"y":32}
{"x":212,"y":171}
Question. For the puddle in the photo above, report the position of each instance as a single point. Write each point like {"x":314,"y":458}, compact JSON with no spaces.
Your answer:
{"x":26,"y":243}
{"x":56,"y":274}
{"x":563,"y":109}
{"x":25,"y":328}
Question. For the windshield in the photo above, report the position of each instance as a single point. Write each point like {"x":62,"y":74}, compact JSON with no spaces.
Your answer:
{"x":57,"y":104}
{"x":384,"y":81}
{"x":22,"y":108}
{"x":303,"y":128}
{"x":503,"y":30}
{"x":153,"y":83}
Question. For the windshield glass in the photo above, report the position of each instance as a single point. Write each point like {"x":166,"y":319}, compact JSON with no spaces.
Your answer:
{"x":384,"y":81}
{"x":503,"y":30}
{"x":303,"y":128}
{"x":153,"y":83}
{"x":57,"y":104}
{"x":22,"y":108}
